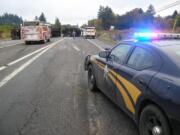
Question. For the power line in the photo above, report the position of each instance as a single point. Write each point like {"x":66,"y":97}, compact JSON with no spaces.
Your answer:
{"x":168,"y":6}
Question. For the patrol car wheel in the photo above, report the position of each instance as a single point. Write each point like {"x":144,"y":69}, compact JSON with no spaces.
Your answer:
{"x":91,"y":80}
{"x":153,"y":122}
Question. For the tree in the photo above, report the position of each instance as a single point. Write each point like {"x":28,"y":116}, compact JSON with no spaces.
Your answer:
{"x":136,"y":18}
{"x":106,"y":16}
{"x":174,"y":15}
{"x":178,"y":20}
{"x":57,"y":23}
{"x":151,"y":10}
{"x":149,"y":16}
{"x":36,"y":18}
{"x":133,"y":18}
{"x":10,"y":19}
{"x":95,"y":23}
{"x":42,"y":17}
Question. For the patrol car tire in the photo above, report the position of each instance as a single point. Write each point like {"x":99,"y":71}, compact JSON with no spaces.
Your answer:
{"x":153,"y":122}
{"x":91,"y":79}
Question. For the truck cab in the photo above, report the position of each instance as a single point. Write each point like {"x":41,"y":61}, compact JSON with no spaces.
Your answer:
{"x":89,"y":32}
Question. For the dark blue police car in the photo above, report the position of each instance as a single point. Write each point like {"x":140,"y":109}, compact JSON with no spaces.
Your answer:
{"x":143,"y":78}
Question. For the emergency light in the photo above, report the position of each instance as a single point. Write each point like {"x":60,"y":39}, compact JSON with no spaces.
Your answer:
{"x":155,"y":36}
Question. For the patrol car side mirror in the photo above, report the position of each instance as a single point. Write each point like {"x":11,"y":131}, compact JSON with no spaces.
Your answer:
{"x":104,"y":54}
{"x":107,"y":49}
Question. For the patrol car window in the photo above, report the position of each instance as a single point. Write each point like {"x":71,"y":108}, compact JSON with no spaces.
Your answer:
{"x":173,"y":52}
{"x":119,"y":53}
{"x":140,"y":59}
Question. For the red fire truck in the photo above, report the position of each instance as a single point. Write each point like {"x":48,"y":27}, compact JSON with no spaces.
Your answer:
{"x":35,"y":31}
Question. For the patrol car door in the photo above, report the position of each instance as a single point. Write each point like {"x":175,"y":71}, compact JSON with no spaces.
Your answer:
{"x":116,"y":59}
{"x":137,"y":72}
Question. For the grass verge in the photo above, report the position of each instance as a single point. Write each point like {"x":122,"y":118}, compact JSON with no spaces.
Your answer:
{"x":5,"y":31}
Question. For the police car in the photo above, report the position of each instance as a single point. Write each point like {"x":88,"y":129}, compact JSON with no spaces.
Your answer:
{"x":142,"y":77}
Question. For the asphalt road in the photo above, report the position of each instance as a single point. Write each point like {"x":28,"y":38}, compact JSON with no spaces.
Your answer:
{"x":43,"y":91}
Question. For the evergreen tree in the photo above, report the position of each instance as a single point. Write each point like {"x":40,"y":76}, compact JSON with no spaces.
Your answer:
{"x":106,"y":16}
{"x":42,"y":17}
{"x":36,"y":18}
{"x":149,"y":15}
{"x":10,"y":19}
{"x":151,"y":10}
{"x":174,"y":15}
{"x":57,"y":23}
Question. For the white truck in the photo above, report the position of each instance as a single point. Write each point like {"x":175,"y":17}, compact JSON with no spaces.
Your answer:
{"x":89,"y":32}
{"x":35,"y":31}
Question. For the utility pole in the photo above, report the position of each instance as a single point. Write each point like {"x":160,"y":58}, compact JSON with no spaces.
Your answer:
{"x":175,"y":23}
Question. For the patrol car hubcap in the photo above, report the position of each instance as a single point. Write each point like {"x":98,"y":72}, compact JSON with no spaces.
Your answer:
{"x":153,"y":126}
{"x":157,"y":130}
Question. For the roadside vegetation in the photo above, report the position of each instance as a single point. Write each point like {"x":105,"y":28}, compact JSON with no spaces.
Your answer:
{"x":9,"y":22}
{"x":5,"y":31}
{"x":106,"y":36}
{"x":124,"y":25}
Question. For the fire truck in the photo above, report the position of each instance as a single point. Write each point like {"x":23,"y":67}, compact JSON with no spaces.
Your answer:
{"x":35,"y":31}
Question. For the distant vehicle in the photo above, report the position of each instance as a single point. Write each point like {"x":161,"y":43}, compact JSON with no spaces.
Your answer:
{"x":89,"y":32}
{"x":56,"y":32}
{"x":35,"y":31}
{"x":15,"y":33}
{"x":142,"y":77}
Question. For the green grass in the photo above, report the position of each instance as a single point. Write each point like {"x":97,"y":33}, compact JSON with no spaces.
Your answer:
{"x":5,"y":31}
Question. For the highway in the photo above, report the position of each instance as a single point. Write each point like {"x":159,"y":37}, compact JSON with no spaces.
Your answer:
{"x":43,"y":91}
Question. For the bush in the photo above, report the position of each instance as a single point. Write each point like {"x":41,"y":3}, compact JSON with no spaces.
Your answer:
{"x":5,"y":31}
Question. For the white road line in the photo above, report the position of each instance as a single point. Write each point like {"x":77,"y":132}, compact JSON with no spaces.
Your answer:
{"x":10,"y":45}
{"x":22,"y":67}
{"x":76,"y":48}
{"x":26,"y":56}
{"x":102,"y":49}
{"x":2,"y":68}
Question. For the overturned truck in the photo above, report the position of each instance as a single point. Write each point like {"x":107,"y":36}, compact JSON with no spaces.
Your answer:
{"x":67,"y":31}
{"x":17,"y":35}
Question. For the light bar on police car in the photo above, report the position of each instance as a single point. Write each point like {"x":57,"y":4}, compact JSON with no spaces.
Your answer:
{"x":155,"y":36}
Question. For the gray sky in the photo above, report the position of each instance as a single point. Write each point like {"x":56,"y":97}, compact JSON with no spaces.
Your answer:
{"x":75,"y":11}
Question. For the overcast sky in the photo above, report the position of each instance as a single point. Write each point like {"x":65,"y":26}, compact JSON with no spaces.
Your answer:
{"x":75,"y":11}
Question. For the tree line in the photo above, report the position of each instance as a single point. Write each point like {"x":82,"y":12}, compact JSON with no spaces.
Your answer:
{"x":10,"y":19}
{"x":15,"y":20}
{"x":136,"y":18}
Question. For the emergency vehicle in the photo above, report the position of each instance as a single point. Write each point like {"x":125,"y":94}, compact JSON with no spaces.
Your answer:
{"x":35,"y":31}
{"x":142,"y":77}
{"x":89,"y":32}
